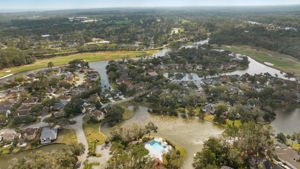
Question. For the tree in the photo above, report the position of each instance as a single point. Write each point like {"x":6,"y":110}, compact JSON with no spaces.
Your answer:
{"x":114,"y":114}
{"x":151,"y":127}
{"x":74,"y":107}
{"x":63,"y":158}
{"x":221,"y":108}
{"x":174,"y":160}
{"x":50,"y":65}
{"x":209,"y":155}
{"x":134,"y":158}
{"x":281,"y":138}
{"x":239,"y":145}
{"x":296,"y":137}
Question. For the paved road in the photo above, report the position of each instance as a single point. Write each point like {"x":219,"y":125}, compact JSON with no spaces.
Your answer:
{"x":78,"y":128}
{"x":105,"y":155}
{"x":124,"y":100}
{"x":288,"y":155}
{"x":118,"y":102}
{"x":39,"y":124}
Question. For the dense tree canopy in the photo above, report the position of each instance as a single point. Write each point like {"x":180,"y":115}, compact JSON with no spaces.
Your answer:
{"x":240,"y":147}
{"x":65,"y":158}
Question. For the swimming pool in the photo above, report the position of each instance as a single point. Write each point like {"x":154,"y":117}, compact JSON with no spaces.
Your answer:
{"x":157,"y":148}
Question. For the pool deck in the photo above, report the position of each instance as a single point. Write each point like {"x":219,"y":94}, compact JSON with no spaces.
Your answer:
{"x":157,"y":152}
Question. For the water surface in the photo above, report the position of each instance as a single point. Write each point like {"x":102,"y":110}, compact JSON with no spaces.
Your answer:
{"x":188,"y":133}
{"x":287,"y":122}
{"x":100,"y":67}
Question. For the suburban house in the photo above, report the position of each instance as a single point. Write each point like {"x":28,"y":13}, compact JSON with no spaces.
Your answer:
{"x":98,"y":115}
{"x":30,"y":133}
{"x":31,"y":101}
{"x":23,"y":110}
{"x":48,"y":135}
{"x":9,"y":135}
{"x":60,"y":113}
{"x":59,"y":105}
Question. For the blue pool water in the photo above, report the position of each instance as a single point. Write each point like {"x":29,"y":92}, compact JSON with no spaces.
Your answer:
{"x":156,"y":147}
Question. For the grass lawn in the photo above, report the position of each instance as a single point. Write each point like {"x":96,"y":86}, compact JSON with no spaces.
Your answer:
{"x":93,"y":135}
{"x":209,"y":117}
{"x":88,"y":165}
{"x":236,"y":123}
{"x":66,"y":136}
{"x":62,"y":60}
{"x":295,"y":146}
{"x":280,"y":61}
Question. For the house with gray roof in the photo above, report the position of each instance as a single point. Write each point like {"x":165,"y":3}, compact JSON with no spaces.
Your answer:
{"x":48,"y":135}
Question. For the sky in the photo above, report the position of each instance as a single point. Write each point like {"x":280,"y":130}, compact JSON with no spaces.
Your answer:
{"x":78,"y":4}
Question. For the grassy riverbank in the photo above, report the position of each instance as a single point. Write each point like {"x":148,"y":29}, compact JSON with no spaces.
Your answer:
{"x":280,"y":61}
{"x":62,"y":60}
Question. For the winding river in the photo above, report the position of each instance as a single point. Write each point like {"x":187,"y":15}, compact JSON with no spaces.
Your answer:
{"x":191,"y":133}
{"x":100,"y":67}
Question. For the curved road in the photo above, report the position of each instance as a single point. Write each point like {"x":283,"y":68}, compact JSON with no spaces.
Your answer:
{"x":78,"y":128}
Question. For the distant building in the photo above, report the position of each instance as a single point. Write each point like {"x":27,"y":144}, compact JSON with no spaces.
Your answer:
{"x":45,"y":36}
{"x":89,"y":21}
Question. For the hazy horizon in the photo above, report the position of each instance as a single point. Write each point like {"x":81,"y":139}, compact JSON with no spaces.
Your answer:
{"x":27,"y":5}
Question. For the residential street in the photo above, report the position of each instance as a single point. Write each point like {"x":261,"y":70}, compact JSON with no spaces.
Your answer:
{"x":124,"y":100}
{"x":105,"y":155}
{"x":77,"y":127}
{"x":288,"y":155}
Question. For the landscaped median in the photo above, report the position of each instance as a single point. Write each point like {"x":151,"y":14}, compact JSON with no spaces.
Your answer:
{"x":62,"y":60}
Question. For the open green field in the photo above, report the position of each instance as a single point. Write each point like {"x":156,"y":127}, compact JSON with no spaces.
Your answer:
{"x":66,"y":136}
{"x":62,"y":60}
{"x":280,"y":61}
